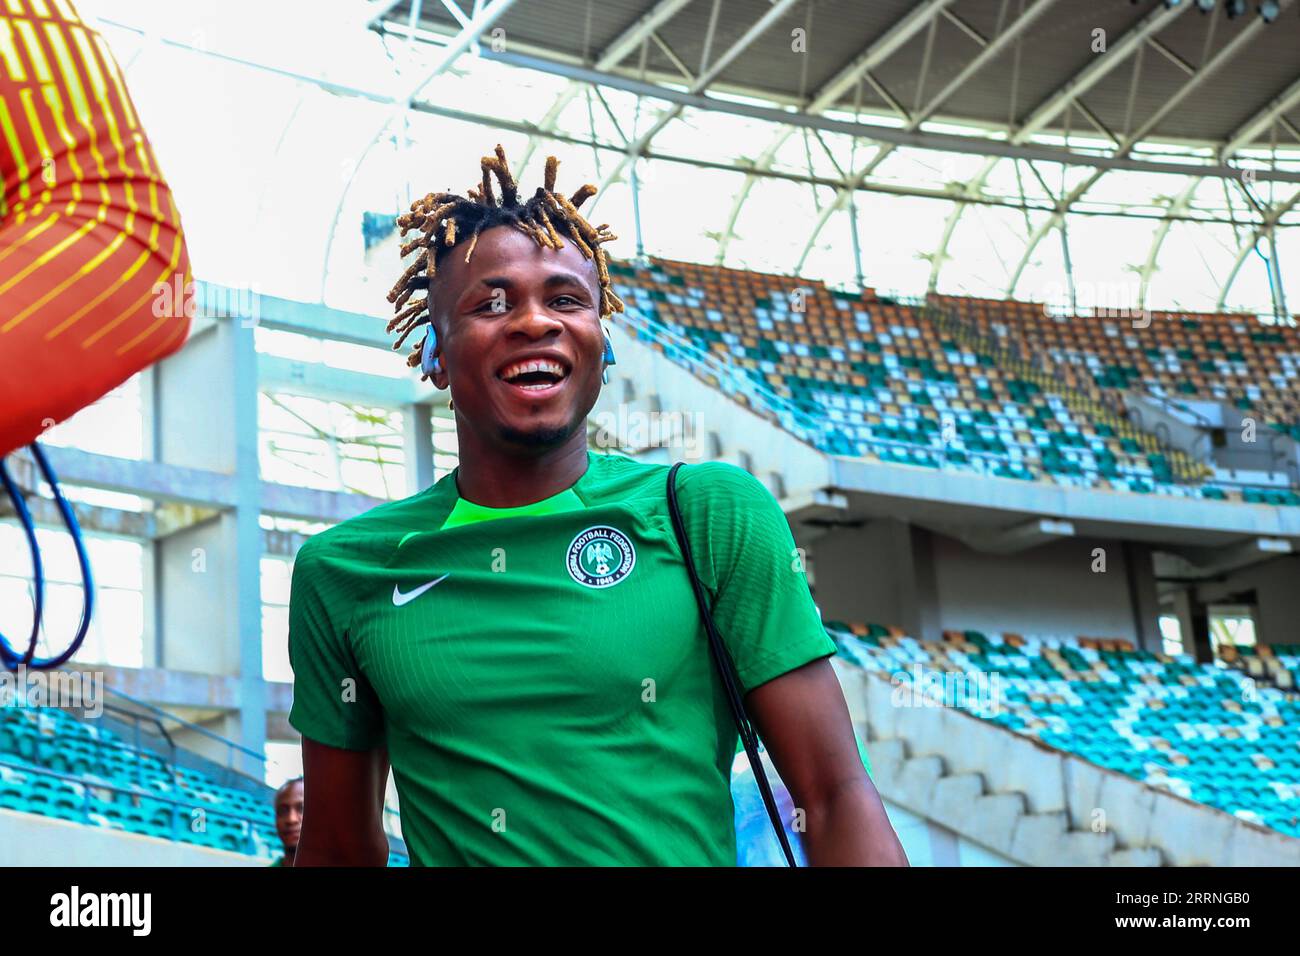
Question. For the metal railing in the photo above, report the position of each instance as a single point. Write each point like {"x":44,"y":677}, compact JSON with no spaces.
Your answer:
{"x":1101,"y":409}
{"x":156,"y":716}
{"x":1289,"y":471}
{"x":139,"y":753}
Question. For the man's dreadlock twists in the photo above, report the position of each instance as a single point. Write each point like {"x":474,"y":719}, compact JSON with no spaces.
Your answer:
{"x":443,"y":219}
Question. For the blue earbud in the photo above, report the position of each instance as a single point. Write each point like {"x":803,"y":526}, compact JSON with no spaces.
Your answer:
{"x":608,"y":358}
{"x":429,"y":363}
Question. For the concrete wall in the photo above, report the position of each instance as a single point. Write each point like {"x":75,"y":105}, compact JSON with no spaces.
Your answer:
{"x":197,"y":610}
{"x":891,"y":573}
{"x":208,"y":576}
{"x":1050,"y":589}
{"x":30,"y":840}
{"x":724,"y":430}
{"x":928,"y":843}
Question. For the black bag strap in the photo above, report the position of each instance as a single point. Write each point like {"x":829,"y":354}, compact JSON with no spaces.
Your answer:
{"x":726,"y":669}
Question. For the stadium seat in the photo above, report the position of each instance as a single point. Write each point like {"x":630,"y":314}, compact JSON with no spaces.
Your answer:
{"x":945,"y":383}
{"x":1173,"y":723}
{"x":122,"y":788}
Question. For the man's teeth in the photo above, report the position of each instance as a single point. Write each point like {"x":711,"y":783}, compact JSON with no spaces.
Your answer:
{"x":514,"y":371}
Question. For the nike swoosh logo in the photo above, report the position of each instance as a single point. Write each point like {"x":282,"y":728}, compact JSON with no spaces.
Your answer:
{"x":399,"y":598}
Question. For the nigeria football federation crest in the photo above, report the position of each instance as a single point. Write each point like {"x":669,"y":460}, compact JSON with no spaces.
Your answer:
{"x":600,"y":557}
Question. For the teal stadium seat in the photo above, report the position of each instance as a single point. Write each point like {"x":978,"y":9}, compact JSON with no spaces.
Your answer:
{"x":1173,"y":723}
{"x":141,"y":782}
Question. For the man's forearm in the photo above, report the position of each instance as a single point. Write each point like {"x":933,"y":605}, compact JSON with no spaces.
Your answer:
{"x":850,"y":828}
{"x":364,"y":851}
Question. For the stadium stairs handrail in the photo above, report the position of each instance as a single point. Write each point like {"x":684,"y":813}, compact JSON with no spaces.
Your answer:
{"x":730,"y":381}
{"x":392,"y":816}
{"x":157,"y":715}
{"x":814,"y":430}
{"x":819,"y":432}
{"x":133,"y":749}
{"x":1291,"y":473}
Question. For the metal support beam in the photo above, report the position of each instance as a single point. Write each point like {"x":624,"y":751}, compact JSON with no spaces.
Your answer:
{"x":939,"y":142}
{"x":1270,"y":222}
{"x":844,"y":80}
{"x":1208,"y":69}
{"x":484,"y":17}
{"x":1158,"y":239}
{"x":986,"y":56}
{"x":624,"y":44}
{"x":1061,"y":99}
{"x":1239,"y":139}
{"x":1250,"y":130}
{"x":1279,"y":291}
{"x":707,"y":76}
{"x":468,"y":35}
{"x":377,"y":11}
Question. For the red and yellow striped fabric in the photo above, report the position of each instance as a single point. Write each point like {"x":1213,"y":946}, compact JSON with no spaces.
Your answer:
{"x":89,"y":232}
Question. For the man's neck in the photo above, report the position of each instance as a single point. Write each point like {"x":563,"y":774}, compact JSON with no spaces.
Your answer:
{"x":496,"y":479}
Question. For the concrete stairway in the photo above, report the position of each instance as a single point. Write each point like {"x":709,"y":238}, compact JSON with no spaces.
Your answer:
{"x":1033,"y":804}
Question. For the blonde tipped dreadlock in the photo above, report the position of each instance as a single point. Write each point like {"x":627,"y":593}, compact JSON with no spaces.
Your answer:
{"x":443,"y":219}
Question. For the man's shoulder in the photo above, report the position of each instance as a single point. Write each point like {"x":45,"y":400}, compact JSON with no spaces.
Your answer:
{"x":380,"y":528}
{"x":721,"y":481}
{"x":701,"y":480}
{"x":715,"y":497}
{"x":617,"y":478}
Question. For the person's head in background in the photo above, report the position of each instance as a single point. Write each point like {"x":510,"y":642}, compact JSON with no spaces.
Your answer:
{"x":288,"y":817}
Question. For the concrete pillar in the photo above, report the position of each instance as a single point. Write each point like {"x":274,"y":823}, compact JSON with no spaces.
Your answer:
{"x":882,"y":574}
{"x":922,"y":586}
{"x":209,"y":579}
{"x":1144,"y":600}
{"x":153,"y":594}
{"x":1194,"y":624}
{"x":417,"y":442}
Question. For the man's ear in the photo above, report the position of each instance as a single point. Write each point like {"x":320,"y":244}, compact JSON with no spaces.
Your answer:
{"x":431,"y":357}
{"x":439,"y":376}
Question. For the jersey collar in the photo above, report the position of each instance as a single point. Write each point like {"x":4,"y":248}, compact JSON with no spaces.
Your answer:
{"x":465,"y":512}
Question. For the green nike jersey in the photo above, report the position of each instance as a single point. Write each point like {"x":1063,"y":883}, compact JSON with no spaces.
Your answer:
{"x":540,"y":675}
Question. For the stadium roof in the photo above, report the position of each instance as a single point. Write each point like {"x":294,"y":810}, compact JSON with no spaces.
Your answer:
{"x":953,"y":141}
{"x":1004,"y":64}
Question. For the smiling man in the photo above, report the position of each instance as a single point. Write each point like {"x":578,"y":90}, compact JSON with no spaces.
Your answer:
{"x":521,"y":640}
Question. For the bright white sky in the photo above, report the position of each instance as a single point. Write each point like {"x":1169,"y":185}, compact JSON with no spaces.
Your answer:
{"x":266,"y":168}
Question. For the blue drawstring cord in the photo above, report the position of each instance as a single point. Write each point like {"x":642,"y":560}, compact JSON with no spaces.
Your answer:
{"x":11,"y":659}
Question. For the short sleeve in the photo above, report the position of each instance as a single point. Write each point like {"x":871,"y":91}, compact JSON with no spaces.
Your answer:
{"x":747,"y":560}
{"x":333,"y":702}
